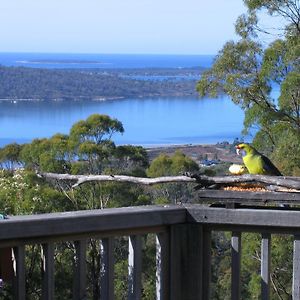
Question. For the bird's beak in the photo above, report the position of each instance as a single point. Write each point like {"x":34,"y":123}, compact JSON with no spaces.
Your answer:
{"x":238,"y":150}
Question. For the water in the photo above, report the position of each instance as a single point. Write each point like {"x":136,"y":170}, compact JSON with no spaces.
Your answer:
{"x":147,"y":122}
{"x":103,"y":61}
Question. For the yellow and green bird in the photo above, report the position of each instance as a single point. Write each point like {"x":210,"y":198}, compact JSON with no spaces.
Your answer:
{"x":255,"y":162}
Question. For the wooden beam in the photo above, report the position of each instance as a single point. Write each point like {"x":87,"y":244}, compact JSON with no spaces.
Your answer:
{"x":186,"y":262}
{"x":206,"y":263}
{"x":18,"y":256}
{"x":162,"y":266}
{"x":47,"y":271}
{"x":296,"y":268}
{"x":236,"y":253}
{"x":135,"y":267}
{"x":79,"y":285}
{"x":107,"y":275}
{"x":247,"y":197}
{"x":245,"y":219}
{"x":265,"y":265}
{"x":90,"y":221}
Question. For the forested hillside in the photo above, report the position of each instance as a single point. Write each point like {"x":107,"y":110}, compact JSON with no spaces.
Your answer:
{"x":42,"y":84}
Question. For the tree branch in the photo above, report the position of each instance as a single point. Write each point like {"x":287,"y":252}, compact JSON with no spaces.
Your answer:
{"x":202,"y":180}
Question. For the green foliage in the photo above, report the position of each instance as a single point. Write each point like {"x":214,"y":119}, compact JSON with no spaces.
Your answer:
{"x":247,"y":71}
{"x":10,"y":156}
{"x":165,"y":165}
{"x":45,"y":84}
{"x":96,"y":128}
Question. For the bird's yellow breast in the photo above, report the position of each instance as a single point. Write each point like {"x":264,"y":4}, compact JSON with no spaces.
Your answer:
{"x":254,"y":164}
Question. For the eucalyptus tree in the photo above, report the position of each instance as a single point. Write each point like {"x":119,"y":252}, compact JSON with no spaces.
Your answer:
{"x":10,"y":156}
{"x":249,"y":69}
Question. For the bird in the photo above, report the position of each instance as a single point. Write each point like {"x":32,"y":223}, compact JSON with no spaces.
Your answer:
{"x":255,"y":162}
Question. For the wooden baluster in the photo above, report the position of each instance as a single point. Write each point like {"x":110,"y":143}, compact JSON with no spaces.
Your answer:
{"x":206,"y":272}
{"x":162,"y":266}
{"x":186,"y":262}
{"x":79,"y":285}
{"x":135,"y":267}
{"x":265,"y":265}
{"x":235,"y":265}
{"x":107,"y":269}
{"x":296,"y":268}
{"x":18,"y":257}
{"x":48,"y":271}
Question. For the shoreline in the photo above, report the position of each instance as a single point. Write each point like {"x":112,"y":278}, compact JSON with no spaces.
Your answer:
{"x":221,"y":151}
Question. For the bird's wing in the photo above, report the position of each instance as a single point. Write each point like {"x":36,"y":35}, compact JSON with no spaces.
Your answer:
{"x":268,"y":167}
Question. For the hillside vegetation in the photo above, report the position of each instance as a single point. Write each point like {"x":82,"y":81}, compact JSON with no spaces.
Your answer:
{"x":43,"y":84}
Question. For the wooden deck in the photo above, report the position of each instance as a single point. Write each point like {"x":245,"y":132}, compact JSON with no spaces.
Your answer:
{"x":183,"y":251}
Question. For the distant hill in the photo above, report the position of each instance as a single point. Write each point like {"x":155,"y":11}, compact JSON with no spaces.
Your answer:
{"x":49,"y":84}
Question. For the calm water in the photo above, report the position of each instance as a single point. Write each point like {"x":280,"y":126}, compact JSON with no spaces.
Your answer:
{"x":147,"y":122}
{"x":101,"y":61}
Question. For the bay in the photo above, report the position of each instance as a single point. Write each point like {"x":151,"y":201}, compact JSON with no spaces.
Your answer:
{"x":147,"y":121}
{"x":103,"y":61}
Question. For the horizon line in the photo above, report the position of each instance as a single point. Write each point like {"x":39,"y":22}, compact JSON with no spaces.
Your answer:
{"x":105,"y":53}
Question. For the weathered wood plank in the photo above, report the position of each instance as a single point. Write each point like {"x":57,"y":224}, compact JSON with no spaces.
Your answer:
{"x":296,"y":268}
{"x":162,"y":266}
{"x":265,"y":265}
{"x":47,"y":271}
{"x":92,"y":221}
{"x":261,"y":219}
{"x":186,"y":262}
{"x":247,"y":197}
{"x":18,"y":256}
{"x":107,"y":269}
{"x":79,"y":286}
{"x":206,"y":272}
{"x":236,"y":252}
{"x":134,"y":267}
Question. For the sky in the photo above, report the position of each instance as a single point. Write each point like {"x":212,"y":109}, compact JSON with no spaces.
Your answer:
{"x":117,"y":26}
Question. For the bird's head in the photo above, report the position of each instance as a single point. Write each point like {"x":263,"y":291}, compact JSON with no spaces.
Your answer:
{"x":244,"y":149}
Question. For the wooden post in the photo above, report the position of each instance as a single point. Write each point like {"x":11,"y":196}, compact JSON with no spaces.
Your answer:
{"x":48,"y":271}
{"x":135,"y":268}
{"x":162,"y":266}
{"x":235,"y":265}
{"x":206,"y":275}
{"x":265,"y":265}
{"x":186,"y":262}
{"x":18,"y":255}
{"x":79,"y":287}
{"x":296,"y":268}
{"x":107,"y":269}
{"x":6,"y":264}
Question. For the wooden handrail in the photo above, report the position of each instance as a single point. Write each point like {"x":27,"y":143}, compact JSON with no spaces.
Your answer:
{"x":102,"y":222}
{"x":183,"y":237}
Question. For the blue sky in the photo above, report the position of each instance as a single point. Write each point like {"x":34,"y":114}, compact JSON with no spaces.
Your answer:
{"x":117,"y":26}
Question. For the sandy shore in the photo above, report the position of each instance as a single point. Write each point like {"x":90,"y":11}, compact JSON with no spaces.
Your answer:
{"x":218,"y":151}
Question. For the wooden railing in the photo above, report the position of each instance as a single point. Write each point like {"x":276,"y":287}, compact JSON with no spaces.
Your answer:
{"x":183,"y":251}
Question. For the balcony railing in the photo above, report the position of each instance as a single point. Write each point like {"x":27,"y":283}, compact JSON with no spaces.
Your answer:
{"x":183,"y":246}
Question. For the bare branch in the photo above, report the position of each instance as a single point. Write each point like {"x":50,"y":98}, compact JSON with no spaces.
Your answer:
{"x":80,"y":179}
{"x":202,"y":180}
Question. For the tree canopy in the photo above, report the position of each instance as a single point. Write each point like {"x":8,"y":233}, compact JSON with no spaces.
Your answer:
{"x":249,"y":71}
